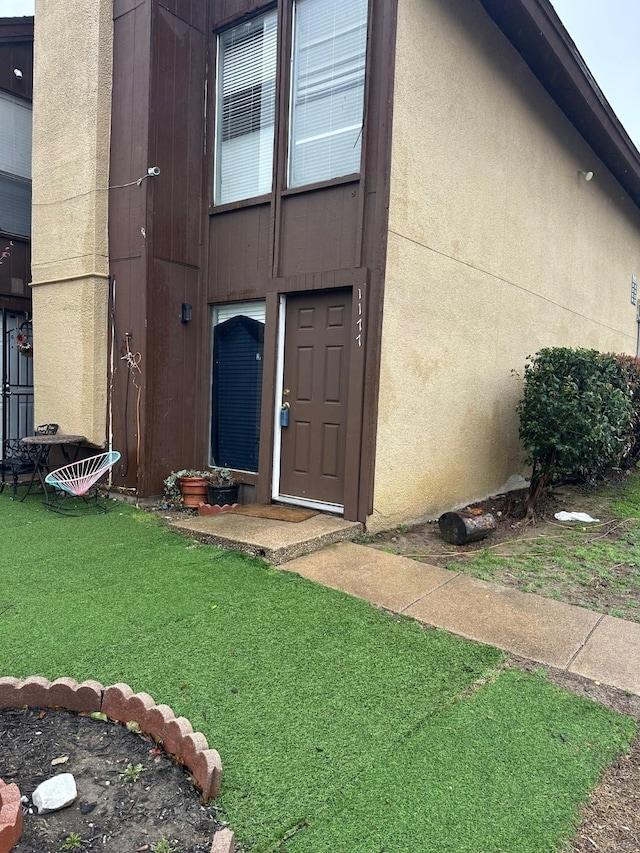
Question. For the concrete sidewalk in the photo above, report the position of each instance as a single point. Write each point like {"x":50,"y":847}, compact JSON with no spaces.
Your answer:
{"x":580,"y":641}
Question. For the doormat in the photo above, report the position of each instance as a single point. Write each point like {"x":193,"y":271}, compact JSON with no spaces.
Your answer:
{"x":275,"y":512}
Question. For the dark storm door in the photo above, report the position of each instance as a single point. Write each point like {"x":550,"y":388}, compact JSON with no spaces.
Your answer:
{"x":16,"y":400}
{"x":238,"y":348}
{"x":315,"y":387}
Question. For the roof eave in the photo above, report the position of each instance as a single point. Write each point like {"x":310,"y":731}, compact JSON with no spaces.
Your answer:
{"x":536,"y":32}
{"x":16,"y":29}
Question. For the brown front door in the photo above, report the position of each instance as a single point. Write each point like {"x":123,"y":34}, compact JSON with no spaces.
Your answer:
{"x":315,"y":384}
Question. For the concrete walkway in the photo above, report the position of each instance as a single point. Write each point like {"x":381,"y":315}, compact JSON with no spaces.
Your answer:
{"x":580,"y":641}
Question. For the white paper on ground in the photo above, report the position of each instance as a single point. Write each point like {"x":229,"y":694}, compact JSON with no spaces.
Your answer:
{"x":575,"y":516}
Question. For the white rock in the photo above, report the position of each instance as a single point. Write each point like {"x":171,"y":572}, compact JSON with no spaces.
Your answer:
{"x":55,"y":793}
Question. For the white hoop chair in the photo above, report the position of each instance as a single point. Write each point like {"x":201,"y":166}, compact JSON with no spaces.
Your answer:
{"x":79,"y":480}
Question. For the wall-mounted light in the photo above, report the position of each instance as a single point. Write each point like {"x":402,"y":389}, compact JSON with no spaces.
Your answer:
{"x":185,"y":313}
{"x":588,"y":176}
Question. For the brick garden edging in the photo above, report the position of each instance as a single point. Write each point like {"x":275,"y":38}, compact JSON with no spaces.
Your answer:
{"x":120,"y":703}
{"x":11,"y":816}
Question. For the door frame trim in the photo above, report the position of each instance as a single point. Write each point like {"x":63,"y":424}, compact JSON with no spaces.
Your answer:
{"x":277,"y":429}
{"x":355,"y":504}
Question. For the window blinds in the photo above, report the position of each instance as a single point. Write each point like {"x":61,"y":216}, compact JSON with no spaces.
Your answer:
{"x":255,"y":310}
{"x":15,"y":136}
{"x":327,"y":92}
{"x":15,"y":165}
{"x":246,"y":109}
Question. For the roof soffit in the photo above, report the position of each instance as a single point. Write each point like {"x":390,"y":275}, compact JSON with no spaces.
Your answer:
{"x":536,"y":32}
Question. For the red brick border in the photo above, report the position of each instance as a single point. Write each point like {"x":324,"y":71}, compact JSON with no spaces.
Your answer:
{"x":120,"y":703}
{"x":11,"y":818}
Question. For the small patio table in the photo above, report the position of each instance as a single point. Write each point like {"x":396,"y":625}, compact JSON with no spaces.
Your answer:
{"x":44,"y":443}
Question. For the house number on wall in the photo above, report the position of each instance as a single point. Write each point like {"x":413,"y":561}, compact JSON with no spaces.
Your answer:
{"x":634,"y":289}
{"x":359,"y":321}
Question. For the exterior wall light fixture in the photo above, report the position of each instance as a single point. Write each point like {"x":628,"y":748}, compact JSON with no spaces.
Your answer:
{"x":185,"y":313}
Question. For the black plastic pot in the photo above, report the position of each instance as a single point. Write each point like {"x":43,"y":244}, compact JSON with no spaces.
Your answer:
{"x":221,"y":495}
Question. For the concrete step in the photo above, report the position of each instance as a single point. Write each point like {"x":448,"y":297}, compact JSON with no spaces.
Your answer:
{"x":275,"y":541}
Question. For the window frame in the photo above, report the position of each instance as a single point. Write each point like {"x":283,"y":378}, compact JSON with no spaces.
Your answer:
{"x":283,"y":100}
{"x":21,"y":180}
{"x":244,"y":475}
{"x":287,"y":188}
{"x":216,"y":106}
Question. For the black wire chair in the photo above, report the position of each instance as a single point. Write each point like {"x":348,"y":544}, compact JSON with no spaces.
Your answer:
{"x":21,"y":458}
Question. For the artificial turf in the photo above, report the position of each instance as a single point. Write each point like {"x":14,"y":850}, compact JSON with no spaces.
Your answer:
{"x":335,"y":722}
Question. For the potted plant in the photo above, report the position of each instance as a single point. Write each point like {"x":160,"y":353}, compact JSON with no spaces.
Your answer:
{"x":186,"y":487}
{"x":24,"y":345}
{"x":222,"y":488}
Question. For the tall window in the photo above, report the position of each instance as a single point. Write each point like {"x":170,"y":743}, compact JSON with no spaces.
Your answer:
{"x":327,"y":89}
{"x":246,"y":109}
{"x":238,"y":349}
{"x":15,"y":165}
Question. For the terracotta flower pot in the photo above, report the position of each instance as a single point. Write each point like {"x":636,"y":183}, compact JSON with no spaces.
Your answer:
{"x":193,"y":490}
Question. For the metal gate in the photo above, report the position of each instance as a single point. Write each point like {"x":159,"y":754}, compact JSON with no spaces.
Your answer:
{"x":16,"y":416}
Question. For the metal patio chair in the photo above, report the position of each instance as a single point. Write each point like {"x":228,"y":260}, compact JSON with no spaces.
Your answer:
{"x":79,"y":480}
{"x":20,"y":458}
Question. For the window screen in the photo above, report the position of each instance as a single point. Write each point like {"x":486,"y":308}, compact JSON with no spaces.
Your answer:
{"x":245,"y":110}
{"x":327,"y":91}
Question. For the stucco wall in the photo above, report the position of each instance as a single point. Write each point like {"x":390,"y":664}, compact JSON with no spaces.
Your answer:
{"x":497,"y":247}
{"x":71,"y":130}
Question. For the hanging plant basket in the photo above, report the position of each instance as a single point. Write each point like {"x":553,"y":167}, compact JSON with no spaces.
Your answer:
{"x":24,"y":345}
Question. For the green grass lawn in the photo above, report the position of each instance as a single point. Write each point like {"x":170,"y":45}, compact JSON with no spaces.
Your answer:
{"x":340,"y":727}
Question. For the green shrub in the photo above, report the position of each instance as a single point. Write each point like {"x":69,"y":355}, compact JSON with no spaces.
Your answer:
{"x":630,"y":367}
{"x":576,"y":415}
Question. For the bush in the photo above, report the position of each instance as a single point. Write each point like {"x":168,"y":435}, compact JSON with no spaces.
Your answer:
{"x":576,"y":415}
{"x":630,"y":367}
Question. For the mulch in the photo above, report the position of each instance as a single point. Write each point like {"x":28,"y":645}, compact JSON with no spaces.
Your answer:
{"x":110,"y":814}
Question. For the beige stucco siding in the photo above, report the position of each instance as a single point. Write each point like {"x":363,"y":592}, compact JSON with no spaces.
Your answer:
{"x":497,"y":247}
{"x":71,"y":131}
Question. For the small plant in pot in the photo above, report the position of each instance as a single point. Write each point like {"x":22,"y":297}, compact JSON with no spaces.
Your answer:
{"x":222,"y":488}
{"x":186,"y":487}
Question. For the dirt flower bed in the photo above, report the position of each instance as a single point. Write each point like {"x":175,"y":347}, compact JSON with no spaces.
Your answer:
{"x":590,"y":565}
{"x":131,"y":796}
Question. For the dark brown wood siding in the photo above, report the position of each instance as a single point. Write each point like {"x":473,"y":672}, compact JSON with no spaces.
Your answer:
{"x":169,"y":246}
{"x":16,"y":51}
{"x":15,"y":272}
{"x":176,"y":145}
{"x":128,"y":207}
